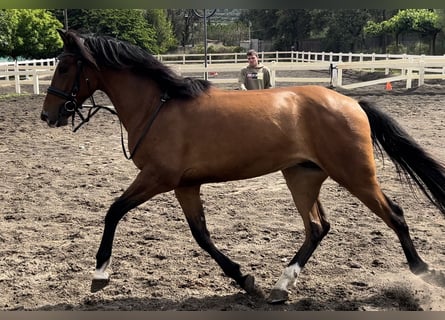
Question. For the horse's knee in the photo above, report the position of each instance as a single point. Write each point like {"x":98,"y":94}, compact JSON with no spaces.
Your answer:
{"x":116,"y":211}
{"x":200,"y":232}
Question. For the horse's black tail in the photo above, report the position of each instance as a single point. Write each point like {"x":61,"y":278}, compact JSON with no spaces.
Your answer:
{"x":410,"y":158}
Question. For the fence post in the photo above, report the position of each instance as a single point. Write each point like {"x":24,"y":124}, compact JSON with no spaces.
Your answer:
{"x":17,"y":78}
{"x":334,"y":75}
{"x":273,"y":73}
{"x":443,"y":69}
{"x":421,"y":71}
{"x":404,"y":57}
{"x":8,"y":77}
{"x":421,"y":77}
{"x":35,"y":79}
{"x":360,"y":59}
{"x":409,"y":76}
{"x":338,"y":77}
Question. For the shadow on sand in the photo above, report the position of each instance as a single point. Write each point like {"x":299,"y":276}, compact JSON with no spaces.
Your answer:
{"x":395,"y":299}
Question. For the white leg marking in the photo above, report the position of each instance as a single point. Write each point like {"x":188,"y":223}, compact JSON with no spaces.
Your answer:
{"x":100,"y":274}
{"x":288,"y":277}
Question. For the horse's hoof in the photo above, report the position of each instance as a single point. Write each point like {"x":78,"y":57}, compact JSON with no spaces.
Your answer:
{"x":99,"y":284}
{"x":419,"y":268}
{"x":278,"y":296}
{"x":251,"y":288}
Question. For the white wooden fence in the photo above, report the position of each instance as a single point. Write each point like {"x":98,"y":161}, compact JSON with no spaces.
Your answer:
{"x":390,"y":67}
{"x":33,"y":72}
{"x":406,"y":69}
{"x":222,"y":68}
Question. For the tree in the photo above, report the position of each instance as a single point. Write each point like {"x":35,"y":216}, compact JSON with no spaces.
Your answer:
{"x":441,"y":15}
{"x":425,"y":22}
{"x":428,"y":24}
{"x":126,"y":24}
{"x":345,"y":30}
{"x":293,"y":26}
{"x":165,"y":38}
{"x":29,"y":33}
{"x":7,"y":27}
{"x":150,"y":29}
{"x":183,"y":25}
{"x":230,"y":34}
{"x":264,"y":22}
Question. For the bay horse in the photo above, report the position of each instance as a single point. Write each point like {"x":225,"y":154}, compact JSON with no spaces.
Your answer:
{"x":184,"y":132}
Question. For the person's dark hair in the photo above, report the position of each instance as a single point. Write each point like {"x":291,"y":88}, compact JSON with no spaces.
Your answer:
{"x":252,"y":52}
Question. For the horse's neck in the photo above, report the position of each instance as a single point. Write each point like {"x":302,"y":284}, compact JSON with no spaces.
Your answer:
{"x":133,"y":98}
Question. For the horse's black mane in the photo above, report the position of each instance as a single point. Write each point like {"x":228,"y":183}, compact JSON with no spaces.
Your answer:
{"x":110,"y":52}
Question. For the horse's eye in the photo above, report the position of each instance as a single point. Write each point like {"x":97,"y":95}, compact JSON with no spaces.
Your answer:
{"x":63,"y":69}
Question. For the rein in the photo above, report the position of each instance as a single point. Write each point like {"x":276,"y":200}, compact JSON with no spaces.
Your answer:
{"x":91,"y":112}
{"x":71,"y":108}
{"x":95,"y":107}
{"x":164,"y":98}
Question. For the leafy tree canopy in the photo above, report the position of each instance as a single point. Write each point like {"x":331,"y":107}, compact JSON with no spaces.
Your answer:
{"x":29,"y":33}
{"x":148,"y":29}
{"x":165,"y":38}
{"x":424,"y":21}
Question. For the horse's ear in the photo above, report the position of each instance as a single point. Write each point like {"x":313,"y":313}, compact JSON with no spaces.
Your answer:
{"x":70,"y":40}
{"x":75,"y":44}
{"x":62,"y":33}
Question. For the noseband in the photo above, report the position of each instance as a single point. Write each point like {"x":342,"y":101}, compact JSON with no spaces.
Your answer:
{"x":71,"y":106}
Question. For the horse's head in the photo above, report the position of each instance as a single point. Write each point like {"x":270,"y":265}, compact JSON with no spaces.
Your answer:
{"x":72,"y":83}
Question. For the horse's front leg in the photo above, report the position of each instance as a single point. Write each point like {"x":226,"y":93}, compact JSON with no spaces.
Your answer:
{"x":143,"y":188}
{"x":191,"y":204}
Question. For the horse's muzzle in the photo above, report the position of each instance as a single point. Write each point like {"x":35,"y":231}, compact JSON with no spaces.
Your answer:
{"x":60,"y":121}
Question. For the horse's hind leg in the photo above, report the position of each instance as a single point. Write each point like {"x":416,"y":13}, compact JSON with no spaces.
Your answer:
{"x":416,"y":264}
{"x":304,"y":184}
{"x":191,"y":204}
{"x":392,"y":215}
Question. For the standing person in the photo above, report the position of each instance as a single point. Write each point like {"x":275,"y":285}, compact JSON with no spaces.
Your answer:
{"x":255,"y":75}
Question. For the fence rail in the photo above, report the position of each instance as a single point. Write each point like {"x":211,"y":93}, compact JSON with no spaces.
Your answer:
{"x":221,"y":68}
{"x":33,"y":72}
{"x":282,"y":56}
